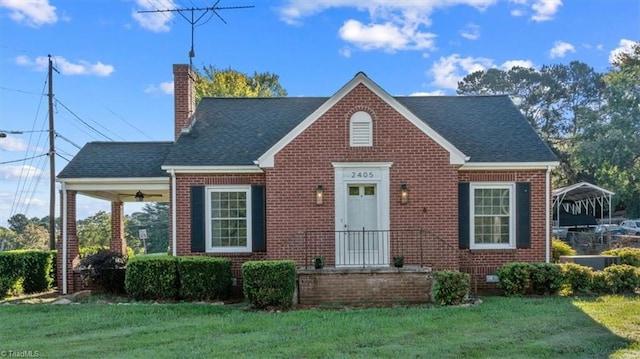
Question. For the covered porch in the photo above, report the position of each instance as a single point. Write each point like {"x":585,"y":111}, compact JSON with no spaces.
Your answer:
{"x":111,"y":171}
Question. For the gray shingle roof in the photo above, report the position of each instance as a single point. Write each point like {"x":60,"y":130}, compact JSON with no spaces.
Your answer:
{"x":118,"y":160}
{"x":485,"y":128}
{"x":236,"y":131}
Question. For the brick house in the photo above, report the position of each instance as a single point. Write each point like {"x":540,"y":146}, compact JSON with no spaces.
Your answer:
{"x":450,"y":182}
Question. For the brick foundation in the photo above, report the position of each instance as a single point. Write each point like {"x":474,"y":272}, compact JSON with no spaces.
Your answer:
{"x":384,"y":285}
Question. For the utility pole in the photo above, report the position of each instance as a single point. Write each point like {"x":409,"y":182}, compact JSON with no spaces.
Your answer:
{"x":52,"y":165}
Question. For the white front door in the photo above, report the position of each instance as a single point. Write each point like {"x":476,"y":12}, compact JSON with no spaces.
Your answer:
{"x":362,"y":213}
{"x":362,"y":241}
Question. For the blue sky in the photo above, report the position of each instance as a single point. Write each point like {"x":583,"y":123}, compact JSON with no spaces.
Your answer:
{"x":115,"y":64}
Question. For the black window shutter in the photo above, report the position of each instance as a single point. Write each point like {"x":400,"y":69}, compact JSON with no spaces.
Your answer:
{"x":258,"y":219}
{"x":463,"y":215}
{"x":197,"y":219}
{"x":523,"y":215}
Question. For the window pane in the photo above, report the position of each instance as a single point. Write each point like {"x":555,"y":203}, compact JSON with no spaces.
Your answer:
{"x":354,"y":191}
{"x":229,"y":219}
{"x":491,"y":215}
{"x":369,"y":190}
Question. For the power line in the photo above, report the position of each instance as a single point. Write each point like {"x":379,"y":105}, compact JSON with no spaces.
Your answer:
{"x":83,"y":121}
{"x":21,"y":91}
{"x":131,"y":125}
{"x":23,"y":159}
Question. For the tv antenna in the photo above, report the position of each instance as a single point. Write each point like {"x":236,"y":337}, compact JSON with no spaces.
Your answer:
{"x":193,"y":21}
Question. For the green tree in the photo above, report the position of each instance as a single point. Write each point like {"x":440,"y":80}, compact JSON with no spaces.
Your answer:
{"x":609,"y":146}
{"x":558,"y":100}
{"x":34,"y":237}
{"x":18,"y":223}
{"x":94,"y":230}
{"x":154,"y":219}
{"x":8,"y":239}
{"x":213,"y":82}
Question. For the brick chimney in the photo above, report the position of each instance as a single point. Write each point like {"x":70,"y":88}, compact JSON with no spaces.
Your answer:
{"x":184,"y":97}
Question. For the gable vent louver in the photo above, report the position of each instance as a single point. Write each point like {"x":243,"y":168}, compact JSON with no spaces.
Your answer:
{"x":360,"y":131}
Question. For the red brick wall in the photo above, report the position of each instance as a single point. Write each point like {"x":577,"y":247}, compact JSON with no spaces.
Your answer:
{"x":72,"y":244}
{"x":480,"y":263}
{"x":184,"y":97}
{"x":118,"y":241}
{"x":370,"y":286}
{"x":304,"y":163}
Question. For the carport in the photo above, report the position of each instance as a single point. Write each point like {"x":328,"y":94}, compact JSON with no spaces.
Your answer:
{"x":582,"y":199}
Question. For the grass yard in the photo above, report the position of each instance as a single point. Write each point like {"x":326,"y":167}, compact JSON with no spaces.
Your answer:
{"x":558,"y":327}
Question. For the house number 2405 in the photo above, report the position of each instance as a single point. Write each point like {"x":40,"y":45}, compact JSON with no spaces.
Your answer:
{"x":362,"y":174}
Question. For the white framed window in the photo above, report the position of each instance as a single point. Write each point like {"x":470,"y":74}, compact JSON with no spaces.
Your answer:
{"x":228,"y":224}
{"x":492,"y":215}
{"x":361,"y":130}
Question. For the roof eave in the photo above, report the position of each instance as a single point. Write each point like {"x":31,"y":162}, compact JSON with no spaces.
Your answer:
{"x":507,"y":166}
{"x":213,"y":169}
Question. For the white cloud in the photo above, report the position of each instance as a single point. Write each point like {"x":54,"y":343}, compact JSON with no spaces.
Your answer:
{"x":393,"y":25}
{"x":387,"y":36}
{"x":65,"y":67}
{"x":471,"y":32}
{"x":447,"y":71}
{"x":429,"y":93}
{"x":13,"y":144}
{"x":34,"y":13}
{"x":507,"y":65}
{"x":16,"y":172}
{"x":163,"y":87}
{"x":543,"y":10}
{"x":624,"y":46}
{"x":154,"y":21}
{"x":345,"y":51}
{"x":560,"y":49}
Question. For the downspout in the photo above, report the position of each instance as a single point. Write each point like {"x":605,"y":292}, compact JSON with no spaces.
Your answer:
{"x":174,"y":230}
{"x":547,"y":213}
{"x":64,"y":238}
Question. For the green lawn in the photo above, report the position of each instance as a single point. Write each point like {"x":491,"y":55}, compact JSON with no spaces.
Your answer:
{"x":501,"y":327}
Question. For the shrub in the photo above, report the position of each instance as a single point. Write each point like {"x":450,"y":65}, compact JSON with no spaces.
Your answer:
{"x":269,"y":283}
{"x":10,"y":274}
{"x":515,"y":278}
{"x":89,"y":250}
{"x":450,"y":287}
{"x":622,"y":278}
{"x":204,"y":277}
{"x":36,"y":270}
{"x":546,"y":278}
{"x":25,"y":271}
{"x":152,"y":277}
{"x":600,"y":283}
{"x":560,"y":248}
{"x":105,"y":269}
{"x":628,"y":255}
{"x":577,"y":278}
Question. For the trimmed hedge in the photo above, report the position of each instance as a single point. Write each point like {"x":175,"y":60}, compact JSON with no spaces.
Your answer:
{"x":152,"y":277}
{"x":90,"y":250}
{"x":628,"y":255}
{"x":450,"y":287}
{"x":28,"y":271}
{"x":577,"y":278}
{"x":204,"y":278}
{"x":269,"y":283}
{"x":622,"y":278}
{"x":172,"y":278}
{"x":515,"y":278}
{"x":546,"y":278}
